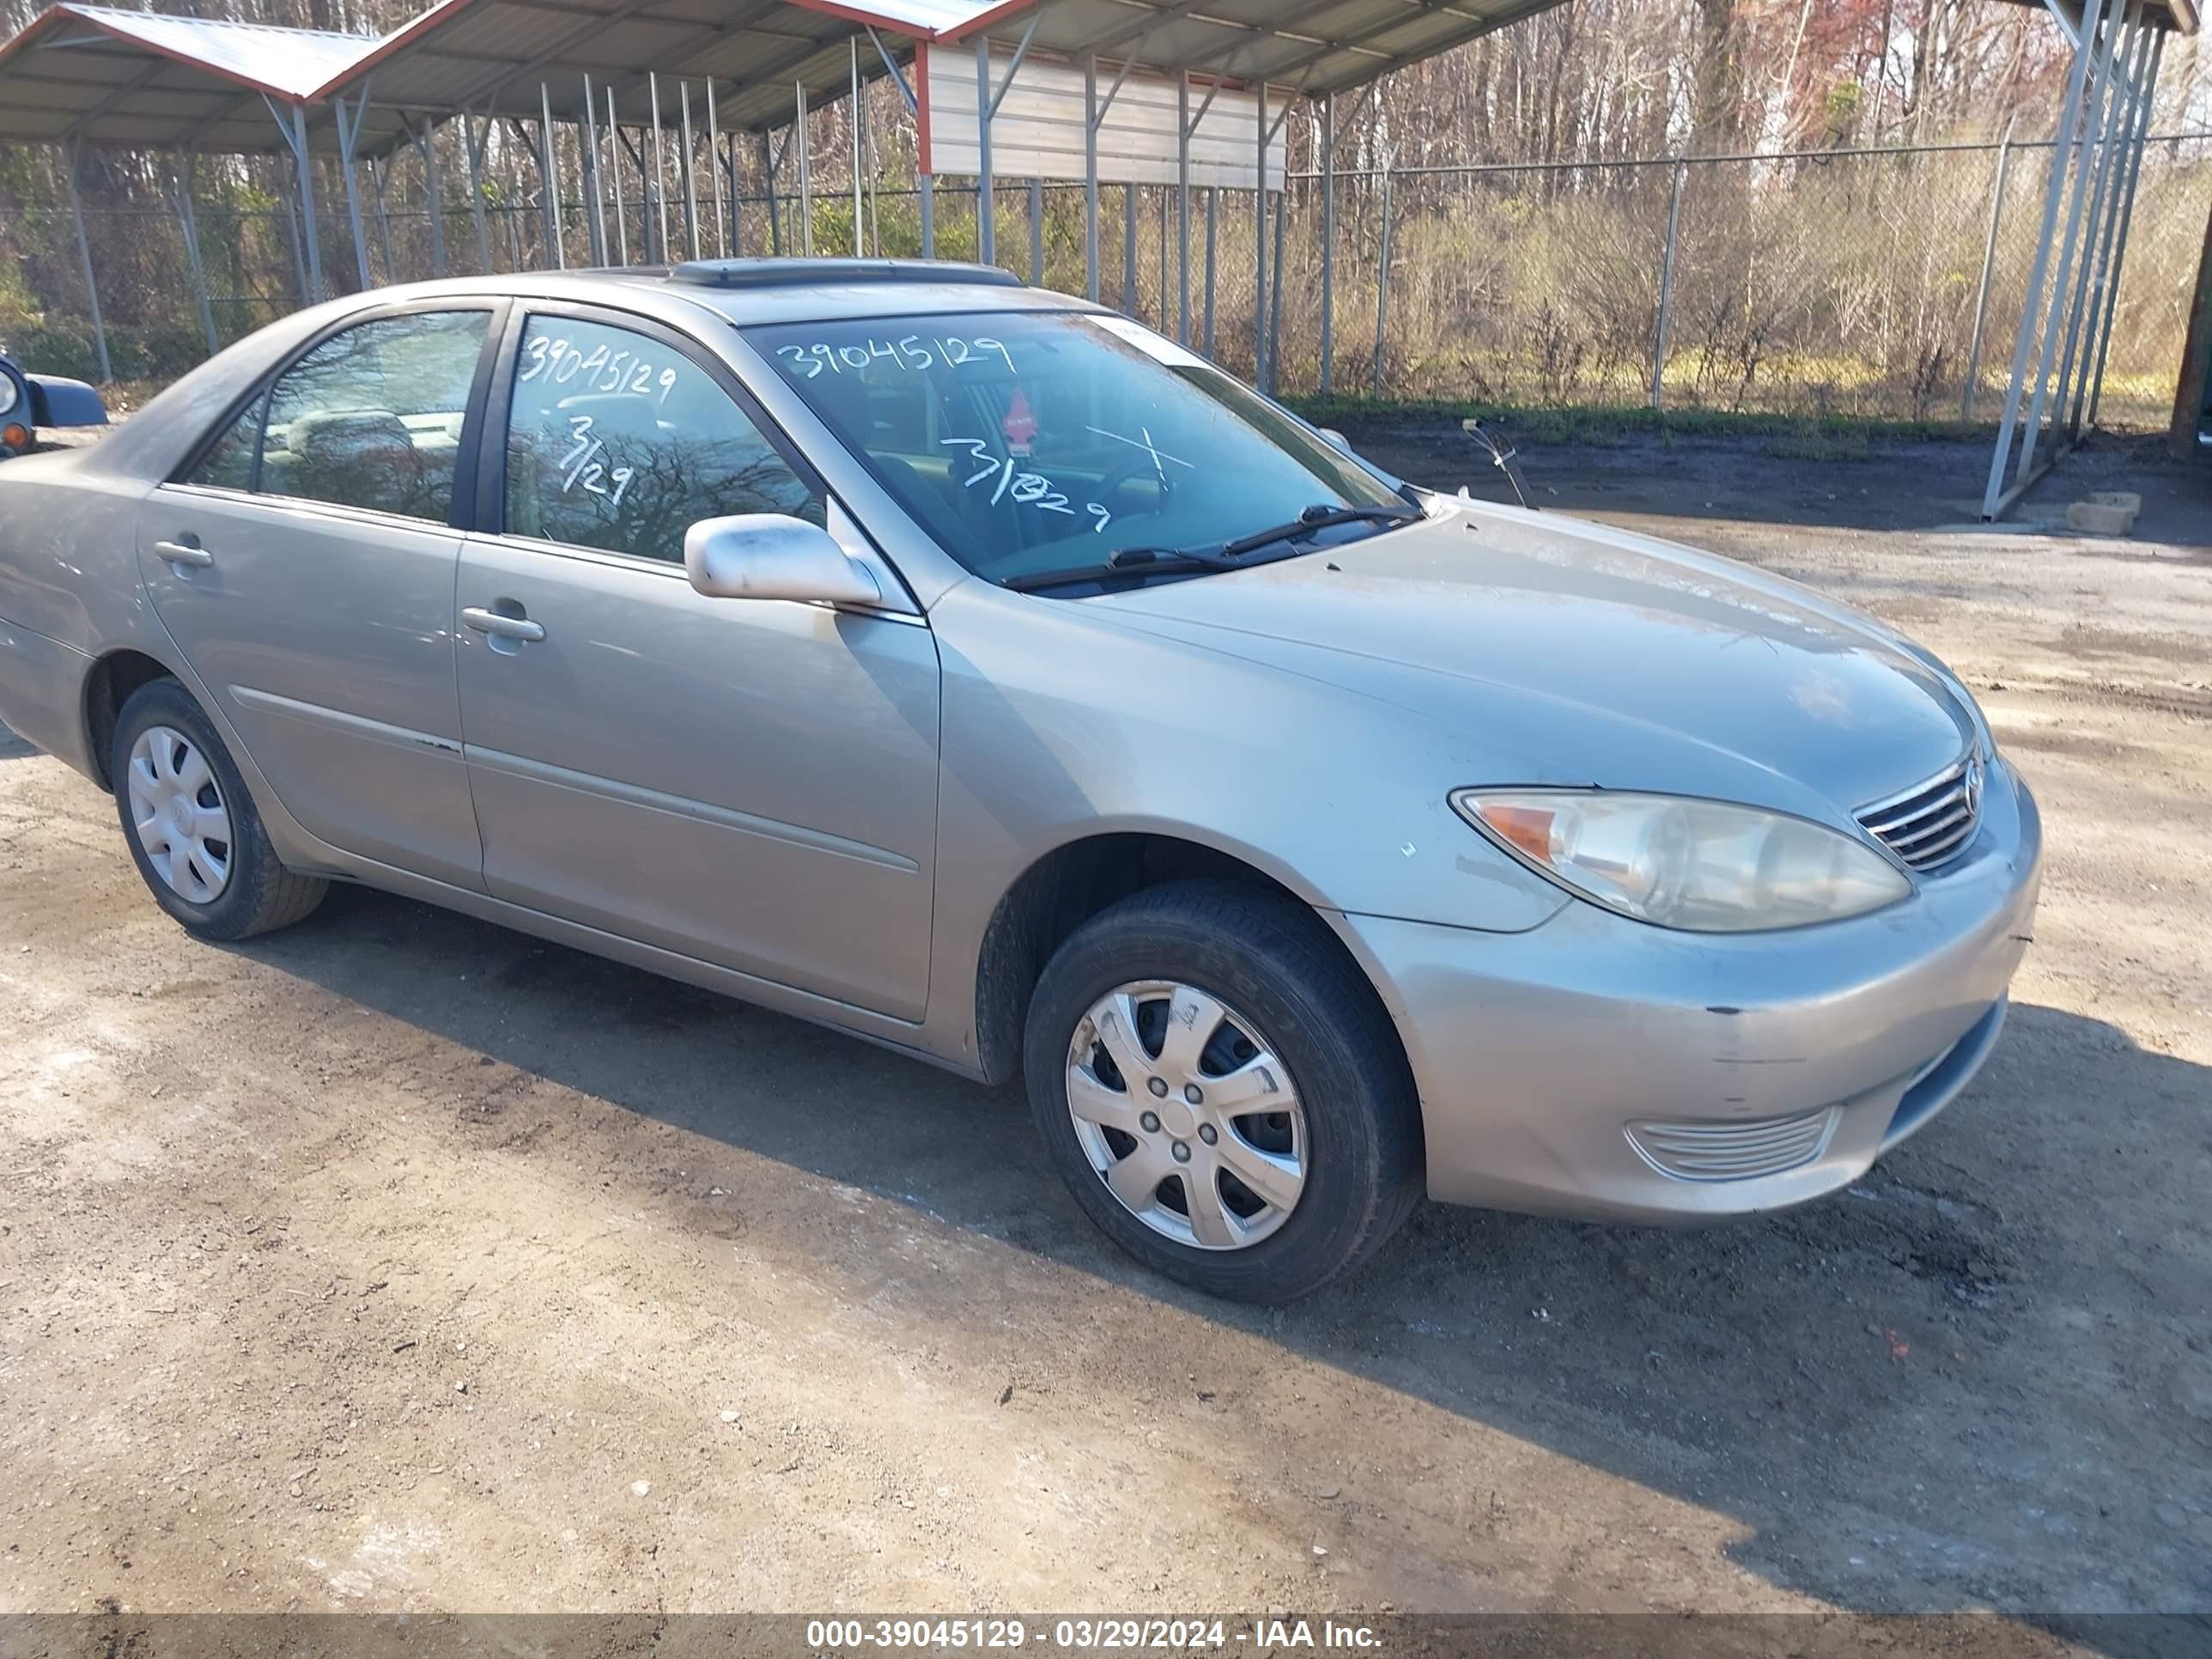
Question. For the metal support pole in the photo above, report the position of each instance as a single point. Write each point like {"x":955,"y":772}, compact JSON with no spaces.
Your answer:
{"x":689,"y":173}
{"x":2127,"y":214}
{"x":1183,"y":207}
{"x":376,"y":182}
{"x":555,"y":238}
{"x":2062,"y":276}
{"x":290,"y":190}
{"x":1037,"y":232}
{"x":295,"y":135}
{"x":656,"y":189}
{"x":84,"y":264}
{"x":1666,"y":288}
{"x":1260,"y":241}
{"x":875,"y":182}
{"x":2024,"y":340}
{"x":1213,"y":246}
{"x":474,"y":148}
{"x":1383,"y":287}
{"x":714,"y":173}
{"x":1129,"y":249}
{"x":1327,"y":248}
{"x":2089,"y":303}
{"x":597,"y":222}
{"x":859,"y":233}
{"x":614,"y":173}
{"x":1989,"y":263}
{"x":924,"y":185}
{"x":349,"y":135}
{"x":805,"y":178}
{"x":180,"y":180}
{"x":426,"y":145}
{"x":986,"y":235}
{"x":1090,"y":177}
{"x":2118,"y":115}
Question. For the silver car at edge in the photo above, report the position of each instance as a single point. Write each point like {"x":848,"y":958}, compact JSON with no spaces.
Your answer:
{"x":970,"y":669}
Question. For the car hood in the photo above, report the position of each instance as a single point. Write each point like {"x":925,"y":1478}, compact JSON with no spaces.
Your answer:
{"x":1569,"y":653}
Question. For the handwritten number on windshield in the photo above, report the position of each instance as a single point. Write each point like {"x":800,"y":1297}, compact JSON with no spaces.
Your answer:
{"x":1029,"y":488}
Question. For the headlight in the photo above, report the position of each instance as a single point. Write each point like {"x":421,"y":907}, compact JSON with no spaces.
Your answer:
{"x":8,"y":394}
{"x":1697,"y":865}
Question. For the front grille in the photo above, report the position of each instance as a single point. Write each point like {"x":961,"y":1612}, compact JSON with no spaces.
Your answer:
{"x":1708,"y":1151}
{"x":1930,"y":823}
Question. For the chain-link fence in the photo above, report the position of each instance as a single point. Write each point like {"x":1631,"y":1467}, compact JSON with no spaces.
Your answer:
{"x":1881,"y":282}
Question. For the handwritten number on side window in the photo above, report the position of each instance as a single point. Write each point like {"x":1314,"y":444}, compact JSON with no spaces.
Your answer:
{"x":547,"y":356}
{"x":580,"y":468}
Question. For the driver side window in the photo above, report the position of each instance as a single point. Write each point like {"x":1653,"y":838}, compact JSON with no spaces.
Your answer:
{"x":617,"y":441}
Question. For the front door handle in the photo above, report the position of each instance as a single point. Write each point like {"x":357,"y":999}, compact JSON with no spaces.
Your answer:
{"x":184,"y":553}
{"x":502,"y":625}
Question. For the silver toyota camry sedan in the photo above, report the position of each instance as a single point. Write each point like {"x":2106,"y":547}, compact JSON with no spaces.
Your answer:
{"x":972,"y":669}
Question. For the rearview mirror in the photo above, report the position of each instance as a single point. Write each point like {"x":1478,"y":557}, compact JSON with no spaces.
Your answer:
{"x":771,"y":555}
{"x":1336,"y":437}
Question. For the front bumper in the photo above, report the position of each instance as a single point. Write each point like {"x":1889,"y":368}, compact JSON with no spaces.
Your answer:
{"x":1599,"y":1067}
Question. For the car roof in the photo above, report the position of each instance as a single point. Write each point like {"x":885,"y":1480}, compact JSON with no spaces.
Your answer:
{"x":749,"y":291}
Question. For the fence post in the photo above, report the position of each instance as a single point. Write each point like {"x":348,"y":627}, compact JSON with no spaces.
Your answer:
{"x":1989,"y":261}
{"x":1328,"y":247}
{"x":1129,"y":249}
{"x":1037,"y":232}
{"x":1212,"y":248}
{"x":1667,"y":286}
{"x":1382,"y":284}
{"x":1275,"y":293}
{"x":1260,"y":239}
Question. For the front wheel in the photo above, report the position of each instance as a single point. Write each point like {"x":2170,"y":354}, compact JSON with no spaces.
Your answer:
{"x":192,"y":829}
{"x":1222,"y":1091}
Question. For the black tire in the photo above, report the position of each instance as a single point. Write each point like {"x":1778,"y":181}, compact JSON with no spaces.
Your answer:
{"x":1274,"y":964}
{"x":259,"y":894}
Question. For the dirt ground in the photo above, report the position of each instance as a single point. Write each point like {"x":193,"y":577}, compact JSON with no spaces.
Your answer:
{"x":398,"y":1262}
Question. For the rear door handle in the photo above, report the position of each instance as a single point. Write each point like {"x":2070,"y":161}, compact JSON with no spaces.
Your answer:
{"x":184,"y":553}
{"x":505,"y":627}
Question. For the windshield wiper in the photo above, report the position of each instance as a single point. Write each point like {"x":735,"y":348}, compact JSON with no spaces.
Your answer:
{"x":1125,"y":561}
{"x":1320,"y":516}
{"x":1182,"y":561}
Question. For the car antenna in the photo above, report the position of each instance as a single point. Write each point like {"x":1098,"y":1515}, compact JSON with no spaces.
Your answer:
{"x":1500,"y":457}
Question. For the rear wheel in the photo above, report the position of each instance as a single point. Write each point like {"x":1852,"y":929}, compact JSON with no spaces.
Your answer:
{"x":1222,"y":1091}
{"x":192,"y":826}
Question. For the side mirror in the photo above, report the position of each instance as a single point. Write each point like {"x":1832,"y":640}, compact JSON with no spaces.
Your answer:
{"x":1335,"y":437}
{"x":770,"y":555}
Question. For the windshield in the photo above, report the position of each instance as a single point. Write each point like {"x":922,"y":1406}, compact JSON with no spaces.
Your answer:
{"x":1028,"y":442}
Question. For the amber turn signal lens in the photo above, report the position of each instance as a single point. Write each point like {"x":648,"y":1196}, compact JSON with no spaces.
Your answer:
{"x":1528,"y":828}
{"x":15,"y":437}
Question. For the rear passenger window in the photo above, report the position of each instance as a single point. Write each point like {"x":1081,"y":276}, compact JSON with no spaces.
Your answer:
{"x":617,"y":441}
{"x":372,"y":416}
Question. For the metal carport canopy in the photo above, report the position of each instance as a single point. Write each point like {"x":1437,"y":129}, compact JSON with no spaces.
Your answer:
{"x":1307,"y":47}
{"x":490,"y":57}
{"x":133,"y":80}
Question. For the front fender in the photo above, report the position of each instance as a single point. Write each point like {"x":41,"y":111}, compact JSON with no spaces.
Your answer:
{"x":1061,"y":723}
